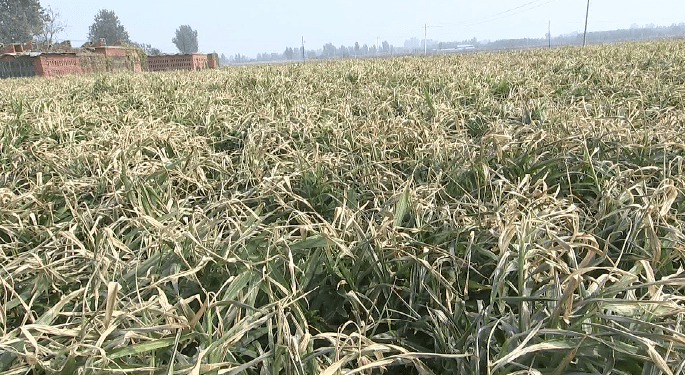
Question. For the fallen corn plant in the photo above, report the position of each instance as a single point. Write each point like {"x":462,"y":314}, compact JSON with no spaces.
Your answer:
{"x":496,"y":213}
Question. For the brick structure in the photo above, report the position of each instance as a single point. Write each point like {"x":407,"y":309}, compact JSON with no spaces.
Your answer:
{"x":212,"y":60}
{"x":7,"y":49}
{"x":16,"y":48}
{"x":189,"y":61}
{"x":101,"y":47}
{"x":47,"y":48}
{"x":16,"y":66}
{"x":39,"y":64}
{"x":110,"y":51}
{"x":55,"y":65}
{"x":28,"y":59}
{"x":169,"y":62}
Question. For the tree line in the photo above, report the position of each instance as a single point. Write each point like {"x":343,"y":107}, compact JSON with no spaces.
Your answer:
{"x":328,"y":50}
{"x":23,"y":21}
{"x":635,"y":32}
{"x":416,"y":45}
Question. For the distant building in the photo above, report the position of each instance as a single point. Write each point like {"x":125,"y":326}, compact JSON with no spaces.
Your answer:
{"x":459,"y":48}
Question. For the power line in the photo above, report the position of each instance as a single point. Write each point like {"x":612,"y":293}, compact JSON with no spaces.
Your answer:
{"x":507,"y":13}
{"x":516,"y":8}
{"x":502,"y":15}
{"x":490,"y":18}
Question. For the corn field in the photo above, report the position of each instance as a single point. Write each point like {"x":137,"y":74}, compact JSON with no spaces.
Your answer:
{"x":487,"y":213}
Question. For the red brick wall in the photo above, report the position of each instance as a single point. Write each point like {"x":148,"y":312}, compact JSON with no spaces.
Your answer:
{"x":110,"y":58}
{"x":169,"y":62}
{"x":56,"y":65}
{"x":7,"y":49}
{"x":212,"y":60}
{"x":111,"y":51}
{"x":199,"y":61}
{"x":179,"y":62}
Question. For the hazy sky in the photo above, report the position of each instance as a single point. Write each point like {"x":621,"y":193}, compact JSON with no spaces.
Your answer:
{"x":251,"y":27}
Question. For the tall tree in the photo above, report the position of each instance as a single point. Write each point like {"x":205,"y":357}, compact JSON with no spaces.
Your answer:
{"x":52,"y":26}
{"x":289,"y":53}
{"x":186,"y":39}
{"x":329,"y":50}
{"x":107,"y":26}
{"x":20,"y":20}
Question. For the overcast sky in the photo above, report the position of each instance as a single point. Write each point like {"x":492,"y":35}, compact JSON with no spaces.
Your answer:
{"x":251,"y":27}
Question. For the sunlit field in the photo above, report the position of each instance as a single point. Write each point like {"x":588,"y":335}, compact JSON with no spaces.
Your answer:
{"x":486,"y":213}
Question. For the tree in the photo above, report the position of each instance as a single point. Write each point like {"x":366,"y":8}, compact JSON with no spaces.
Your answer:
{"x":148,"y":48}
{"x":329,"y":50}
{"x":107,"y":26}
{"x":52,"y":25}
{"x":20,"y":20}
{"x":152,"y":51}
{"x":186,"y":39}
{"x":289,"y":53}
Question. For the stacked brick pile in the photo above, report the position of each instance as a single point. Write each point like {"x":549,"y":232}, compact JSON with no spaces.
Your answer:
{"x":29,"y":59}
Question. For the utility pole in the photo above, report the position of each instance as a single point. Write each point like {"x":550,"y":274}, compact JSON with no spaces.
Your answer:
{"x":587,"y":13}
{"x":425,"y":38}
{"x":549,"y":33}
{"x":425,"y":44}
